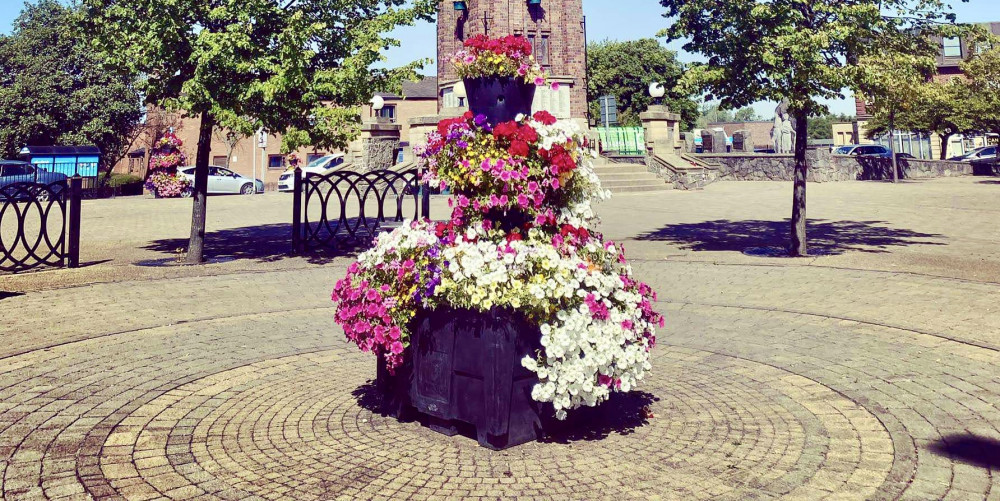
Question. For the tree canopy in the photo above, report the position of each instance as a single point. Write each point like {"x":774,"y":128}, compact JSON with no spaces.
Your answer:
{"x":299,"y":68}
{"x":796,"y":52}
{"x":625,"y":70}
{"x":56,"y":90}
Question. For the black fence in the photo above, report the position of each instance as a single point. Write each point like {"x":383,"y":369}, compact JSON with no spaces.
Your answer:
{"x":40,"y":224}
{"x":346,"y":210}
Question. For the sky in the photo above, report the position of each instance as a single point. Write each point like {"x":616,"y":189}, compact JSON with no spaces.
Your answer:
{"x":606,"y":19}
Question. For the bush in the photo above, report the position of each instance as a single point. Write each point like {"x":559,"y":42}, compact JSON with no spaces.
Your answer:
{"x":119,"y":180}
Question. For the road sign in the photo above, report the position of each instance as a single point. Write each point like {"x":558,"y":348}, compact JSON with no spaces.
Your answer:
{"x":261,"y":138}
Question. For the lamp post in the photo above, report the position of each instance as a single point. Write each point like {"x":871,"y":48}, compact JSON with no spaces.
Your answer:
{"x":377,"y":104}
{"x":656,"y":91}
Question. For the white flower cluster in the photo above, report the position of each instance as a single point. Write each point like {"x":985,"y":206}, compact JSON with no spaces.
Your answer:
{"x":579,"y":347}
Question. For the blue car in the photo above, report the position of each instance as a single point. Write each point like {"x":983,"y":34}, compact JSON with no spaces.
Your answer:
{"x":40,"y":184}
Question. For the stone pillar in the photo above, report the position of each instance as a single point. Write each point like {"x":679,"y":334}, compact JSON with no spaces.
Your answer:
{"x":662,"y":129}
{"x":375,"y":148}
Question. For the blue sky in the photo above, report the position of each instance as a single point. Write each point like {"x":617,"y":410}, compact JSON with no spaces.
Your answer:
{"x":606,"y":19}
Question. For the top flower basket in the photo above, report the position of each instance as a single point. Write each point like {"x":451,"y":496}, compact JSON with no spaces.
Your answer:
{"x":500,"y":76}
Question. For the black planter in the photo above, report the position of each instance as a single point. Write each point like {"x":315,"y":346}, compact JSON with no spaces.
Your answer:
{"x":500,"y":99}
{"x":463,"y":371}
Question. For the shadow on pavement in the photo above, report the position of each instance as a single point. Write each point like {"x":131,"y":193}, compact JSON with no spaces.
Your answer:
{"x":265,"y":243}
{"x":990,"y":182}
{"x":5,"y":294}
{"x":970,"y":449}
{"x":622,"y":414}
{"x":825,"y":237}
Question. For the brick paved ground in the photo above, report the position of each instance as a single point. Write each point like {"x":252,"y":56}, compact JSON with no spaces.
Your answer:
{"x":870,"y":372}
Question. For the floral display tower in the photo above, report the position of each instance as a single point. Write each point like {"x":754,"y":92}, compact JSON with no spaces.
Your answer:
{"x":162,"y":179}
{"x":514,"y":311}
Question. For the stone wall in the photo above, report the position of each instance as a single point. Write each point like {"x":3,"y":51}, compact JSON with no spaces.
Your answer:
{"x":824,"y":167}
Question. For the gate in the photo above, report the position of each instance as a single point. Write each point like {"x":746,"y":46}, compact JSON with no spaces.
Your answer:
{"x":346,"y":210}
{"x":40,"y":225}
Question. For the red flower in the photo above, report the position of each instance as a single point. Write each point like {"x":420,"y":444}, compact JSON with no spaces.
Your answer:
{"x":505,"y":130}
{"x":527,"y":133}
{"x":519,"y":148}
{"x":545,"y":118}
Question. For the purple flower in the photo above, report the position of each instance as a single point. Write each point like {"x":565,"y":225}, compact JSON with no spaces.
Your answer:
{"x":480,"y":120}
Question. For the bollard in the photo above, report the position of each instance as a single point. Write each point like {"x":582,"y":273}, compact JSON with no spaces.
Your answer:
{"x":75,"y":195}
{"x":297,"y":212}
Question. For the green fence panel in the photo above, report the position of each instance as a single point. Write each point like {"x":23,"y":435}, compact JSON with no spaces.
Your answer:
{"x":622,"y":140}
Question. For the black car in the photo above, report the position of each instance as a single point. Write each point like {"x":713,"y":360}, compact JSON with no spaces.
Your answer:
{"x":21,"y":180}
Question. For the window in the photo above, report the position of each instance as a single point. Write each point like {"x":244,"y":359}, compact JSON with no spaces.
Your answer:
{"x":275,"y":161}
{"x":952,"y":47}
{"x":982,"y":47}
{"x":540,"y":48}
{"x":220,"y":161}
{"x":225,"y":173}
{"x":388,"y":112}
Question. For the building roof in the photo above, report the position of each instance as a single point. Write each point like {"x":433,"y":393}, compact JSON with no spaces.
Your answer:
{"x":425,"y":88}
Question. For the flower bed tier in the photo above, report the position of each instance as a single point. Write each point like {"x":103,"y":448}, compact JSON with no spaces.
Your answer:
{"x":464,"y":367}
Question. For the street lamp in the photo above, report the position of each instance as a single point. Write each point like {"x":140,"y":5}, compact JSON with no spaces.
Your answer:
{"x":656,"y":91}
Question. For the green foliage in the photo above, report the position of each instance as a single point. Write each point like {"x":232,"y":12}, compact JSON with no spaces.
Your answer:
{"x":794,"y":50}
{"x":983,"y":72}
{"x":118,"y":180}
{"x":294,"y":67}
{"x":943,"y":108}
{"x":714,"y":114}
{"x":56,"y":90}
{"x":625,"y":70}
{"x":821,"y":127}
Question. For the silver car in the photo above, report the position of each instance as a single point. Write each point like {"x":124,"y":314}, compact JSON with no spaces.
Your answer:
{"x":224,"y":181}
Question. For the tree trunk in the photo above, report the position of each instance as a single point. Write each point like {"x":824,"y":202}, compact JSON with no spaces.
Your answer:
{"x":196,"y":245}
{"x":944,"y":146}
{"x":799,"y":246}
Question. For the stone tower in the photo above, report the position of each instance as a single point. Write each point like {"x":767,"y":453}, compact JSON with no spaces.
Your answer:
{"x":556,"y":30}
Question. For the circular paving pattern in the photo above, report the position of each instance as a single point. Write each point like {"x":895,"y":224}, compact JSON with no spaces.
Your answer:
{"x":303,"y":427}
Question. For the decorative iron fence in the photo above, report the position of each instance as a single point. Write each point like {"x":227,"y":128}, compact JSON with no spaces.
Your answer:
{"x":627,"y":141}
{"x":346,"y":210}
{"x":40,"y":225}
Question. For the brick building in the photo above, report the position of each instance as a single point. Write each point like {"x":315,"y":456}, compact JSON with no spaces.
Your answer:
{"x":242,"y":154}
{"x":556,"y":29}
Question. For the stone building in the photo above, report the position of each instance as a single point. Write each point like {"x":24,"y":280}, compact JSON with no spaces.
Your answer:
{"x":556,"y":29}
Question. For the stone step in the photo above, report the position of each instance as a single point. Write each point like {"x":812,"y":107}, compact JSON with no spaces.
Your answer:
{"x":620,"y":169}
{"x":641,"y":188}
{"x":639,"y":176}
{"x":625,"y":183}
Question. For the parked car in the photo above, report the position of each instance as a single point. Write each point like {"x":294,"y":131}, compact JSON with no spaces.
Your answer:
{"x":14,"y":171}
{"x":318,"y":167}
{"x":222,"y":181}
{"x":977,"y":154}
{"x":864,"y":150}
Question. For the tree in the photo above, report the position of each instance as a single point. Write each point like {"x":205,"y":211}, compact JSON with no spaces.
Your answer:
{"x":55,"y":90}
{"x":797,"y":52}
{"x":821,"y":127}
{"x":889,"y":82}
{"x":941,"y":108}
{"x":983,"y":72}
{"x":293,"y":67}
{"x":625,"y":70}
{"x":712,"y":113}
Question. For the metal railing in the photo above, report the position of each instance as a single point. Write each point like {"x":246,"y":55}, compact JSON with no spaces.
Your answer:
{"x":40,"y":225}
{"x":346,"y":210}
{"x":627,"y":141}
